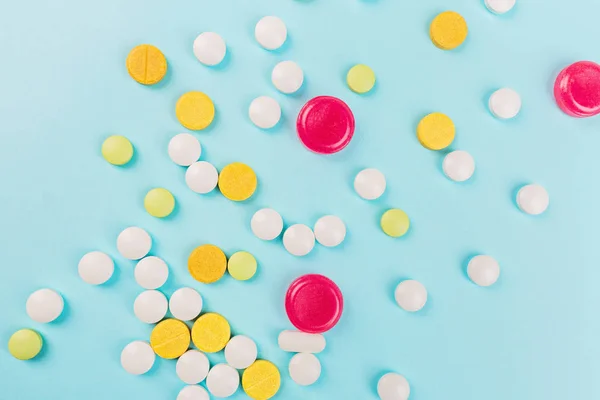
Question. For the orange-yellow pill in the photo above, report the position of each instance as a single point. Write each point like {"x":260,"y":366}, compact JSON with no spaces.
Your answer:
{"x":146,"y":64}
{"x":436,"y":131}
{"x":211,"y":332}
{"x":448,"y":30}
{"x":195,"y":110}
{"x":207,"y":263}
{"x":170,"y":338}
{"x":261,"y":380}
{"x":237,"y":181}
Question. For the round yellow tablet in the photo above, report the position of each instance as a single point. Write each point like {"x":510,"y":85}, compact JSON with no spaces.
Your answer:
{"x":395,"y":222}
{"x":211,"y":332}
{"x":117,"y":150}
{"x":25,"y":344}
{"x":436,"y":131}
{"x":195,"y":110}
{"x":207,"y":263}
{"x":448,"y":30}
{"x":170,"y":338}
{"x":360,"y":78}
{"x":261,"y":380}
{"x":242,"y":265}
{"x":159,"y":202}
{"x":146,"y":64}
{"x":237,"y":181}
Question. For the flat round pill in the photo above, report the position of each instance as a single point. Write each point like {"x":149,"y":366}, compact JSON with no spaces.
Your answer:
{"x":305,"y":369}
{"x":237,"y":181}
{"x":192,"y":367}
{"x":270,"y":32}
{"x":242,"y":266}
{"x":170,"y":338}
{"x":287,"y":77}
{"x":137,"y":357}
{"x":95,"y":268}
{"x":185,"y":304}
{"x":201,"y":177}
{"x":395,"y":223}
{"x":301,"y":342}
{"x":370,"y":184}
{"x":25,"y":344}
{"x":207,"y":263}
{"x":151,"y":272}
{"x":241,"y":352}
{"x":210,"y":48}
{"x":483,"y":270}
{"x":150,"y":306}
{"x":436,"y":131}
{"x":448,"y":30}
{"x":458,"y":165}
{"x":330,"y":231}
{"x":500,"y":6}
{"x":505,"y":103}
{"x":411,"y":295}
{"x":222,"y":380}
{"x":195,"y":111}
{"x":577,"y":89}
{"x":146,"y":64}
{"x":193,"y":392}
{"x":211,"y":332}
{"x":44,"y":305}
{"x":325,"y":125}
{"x":533,"y":199}
{"x":134,"y":243}
{"x":360,"y":78}
{"x":264,"y":112}
{"x":299,"y":240}
{"x":261,"y":380}
{"x":117,"y":150}
{"x":266,"y":224}
{"x":184,"y":149}
{"x":159,"y":202}
{"x":392,"y":386}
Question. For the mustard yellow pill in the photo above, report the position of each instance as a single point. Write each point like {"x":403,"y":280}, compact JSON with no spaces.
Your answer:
{"x":195,"y":110}
{"x":395,"y":222}
{"x":207,"y":263}
{"x":211,"y":332}
{"x":360,"y":78}
{"x":146,"y":64}
{"x":25,"y":344}
{"x":261,"y":380}
{"x":237,"y":181}
{"x":242,"y":266}
{"x":170,"y":338}
{"x":448,"y":30}
{"x":159,"y":202}
{"x":436,"y":131}
{"x":117,"y":150}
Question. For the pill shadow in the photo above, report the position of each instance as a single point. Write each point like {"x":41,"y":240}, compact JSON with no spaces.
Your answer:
{"x":465,"y":263}
{"x":44,"y":352}
{"x":284,"y":47}
{"x":224,"y":64}
{"x":165,"y":81}
{"x":112,"y":281}
{"x":515,"y":191}
{"x":174,"y":214}
{"x":66,"y":313}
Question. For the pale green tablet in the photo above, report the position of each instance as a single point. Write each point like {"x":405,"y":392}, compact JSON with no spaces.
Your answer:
{"x":25,"y":344}
{"x":242,"y":265}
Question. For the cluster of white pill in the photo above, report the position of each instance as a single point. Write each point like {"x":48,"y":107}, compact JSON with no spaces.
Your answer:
{"x":304,"y":367}
{"x":185,"y":150}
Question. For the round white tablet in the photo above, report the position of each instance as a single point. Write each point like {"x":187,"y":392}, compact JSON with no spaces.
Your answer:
{"x":287,"y":77}
{"x":533,"y":199}
{"x":137,"y":357}
{"x":192,"y":367}
{"x":369,"y":184}
{"x":241,"y":352}
{"x":209,"y":48}
{"x":185,"y":304}
{"x":483,"y":270}
{"x":44,"y":305}
{"x":392,"y":386}
{"x":150,"y":306}
{"x":330,"y":230}
{"x":305,"y":369}
{"x":222,"y":380}
{"x":270,"y":32}
{"x":458,"y":165}
{"x":299,"y":240}
{"x":193,"y":392}
{"x":411,"y":295}
{"x":184,"y":149}
{"x":151,"y":272}
{"x":134,"y":243}
{"x":96,"y":267}
{"x":500,"y":6}
{"x":266,"y":224}
{"x":201,"y":177}
{"x":505,"y":103}
{"x":264,"y":112}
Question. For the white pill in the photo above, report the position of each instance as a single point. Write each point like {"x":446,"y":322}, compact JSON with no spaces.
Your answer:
{"x":500,"y":6}
{"x":270,"y":32}
{"x":96,"y":268}
{"x":301,"y":342}
{"x":458,"y":165}
{"x":533,"y":199}
{"x":137,"y":357}
{"x":134,"y":243}
{"x":483,"y":270}
{"x":192,"y":367}
{"x":287,"y":77}
{"x":201,"y":177}
{"x":150,"y":306}
{"x":193,"y":392}
{"x":299,"y":240}
{"x":222,"y":380}
{"x":266,"y":224}
{"x":505,"y":103}
{"x":151,"y":272}
{"x":305,"y":369}
{"x":241,"y":352}
{"x":264,"y":112}
{"x":209,"y":48}
{"x":185,"y":304}
{"x":330,"y":230}
{"x":411,"y":295}
{"x":392,"y":386}
{"x":369,"y":184}
{"x":184,"y":149}
{"x":44,"y":305}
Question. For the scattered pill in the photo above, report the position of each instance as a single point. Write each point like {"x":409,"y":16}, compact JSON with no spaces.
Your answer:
{"x":287,"y":77}
{"x":301,"y":342}
{"x":151,"y":272}
{"x":577,"y":89}
{"x":264,"y":112}
{"x":395,"y":222}
{"x":505,"y":103}
{"x":299,"y":240}
{"x":184,"y":149}
{"x":483,"y":270}
{"x":44,"y":305}
{"x":436,"y":131}
{"x":117,"y":150}
{"x":170,"y":338}
{"x":242,"y":266}
{"x":185,"y":304}
{"x":150,"y":306}
{"x":210,"y":48}
{"x":137,"y":357}
{"x":207,"y":263}
{"x":266,"y":224}
{"x":330,"y":231}
{"x":533,"y":199}
{"x":237,"y":181}
{"x":25,"y":344}
{"x":195,"y":111}
{"x":370,"y":184}
{"x":500,"y":6}
{"x":193,"y":392}
{"x":134,"y":243}
{"x":270,"y":32}
{"x":261,"y":380}
{"x":392,"y":386}
{"x":159,"y":202}
{"x":146,"y":64}
{"x":360,"y":78}
{"x":241,"y":352}
{"x":448,"y":30}
{"x":411,"y":295}
{"x":192,"y":367}
{"x":305,"y":369}
{"x":95,"y":268}
{"x":201,"y":177}
{"x":211,"y":332}
{"x":222,"y":380}
{"x":458,"y":165}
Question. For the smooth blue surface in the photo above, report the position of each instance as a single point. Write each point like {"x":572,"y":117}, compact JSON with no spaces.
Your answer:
{"x":532,"y":336}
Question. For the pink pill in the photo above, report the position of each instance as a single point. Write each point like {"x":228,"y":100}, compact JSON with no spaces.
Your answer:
{"x":577,"y":89}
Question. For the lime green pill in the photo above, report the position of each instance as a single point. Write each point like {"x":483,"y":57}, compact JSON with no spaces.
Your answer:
{"x":395,"y":222}
{"x":360,"y":78}
{"x":159,"y":202}
{"x":117,"y":150}
{"x":25,"y":344}
{"x":242,"y":265}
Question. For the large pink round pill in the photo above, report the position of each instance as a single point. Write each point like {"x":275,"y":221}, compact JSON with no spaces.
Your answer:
{"x":325,"y":124}
{"x":577,"y":89}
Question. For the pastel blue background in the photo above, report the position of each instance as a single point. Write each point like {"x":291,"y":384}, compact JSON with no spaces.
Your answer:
{"x":532,"y":336}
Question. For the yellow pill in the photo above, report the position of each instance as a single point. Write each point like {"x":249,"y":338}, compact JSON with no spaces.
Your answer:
{"x":395,"y":222}
{"x":360,"y":78}
{"x":195,"y":110}
{"x":159,"y":202}
{"x":117,"y":150}
{"x":146,"y":64}
{"x":436,"y":131}
{"x":170,"y":338}
{"x":237,"y":181}
{"x":25,"y":344}
{"x":448,"y":30}
{"x":207,"y":263}
{"x":261,"y":380}
{"x":242,"y":265}
{"x":211,"y":332}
